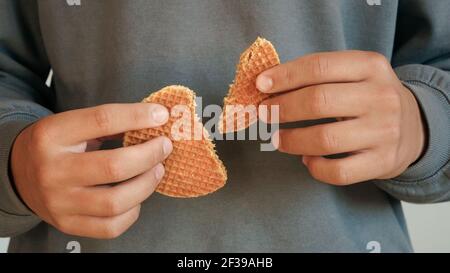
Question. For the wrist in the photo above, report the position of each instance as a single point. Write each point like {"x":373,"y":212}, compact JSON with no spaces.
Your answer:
{"x":14,"y":167}
{"x":418,"y":124}
{"x":10,"y":200}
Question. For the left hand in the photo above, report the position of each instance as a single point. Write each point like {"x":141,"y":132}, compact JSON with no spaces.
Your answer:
{"x":379,"y":121}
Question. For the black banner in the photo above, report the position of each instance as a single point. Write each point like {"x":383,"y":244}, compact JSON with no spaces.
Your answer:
{"x":217,"y":262}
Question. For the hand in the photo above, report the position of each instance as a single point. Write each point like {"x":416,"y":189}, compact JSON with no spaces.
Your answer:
{"x":70,"y":187}
{"x":379,"y":121}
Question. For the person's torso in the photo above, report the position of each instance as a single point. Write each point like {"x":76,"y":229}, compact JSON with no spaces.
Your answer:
{"x":107,"y":51}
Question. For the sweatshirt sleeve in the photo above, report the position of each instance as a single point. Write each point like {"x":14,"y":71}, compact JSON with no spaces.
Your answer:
{"x":422,"y":62}
{"x":23,"y":96}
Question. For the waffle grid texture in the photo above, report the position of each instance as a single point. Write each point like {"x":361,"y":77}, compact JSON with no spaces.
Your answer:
{"x":193,"y":169}
{"x":241,"y":104}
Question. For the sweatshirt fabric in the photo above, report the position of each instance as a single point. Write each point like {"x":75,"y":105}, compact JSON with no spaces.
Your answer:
{"x":117,"y":51}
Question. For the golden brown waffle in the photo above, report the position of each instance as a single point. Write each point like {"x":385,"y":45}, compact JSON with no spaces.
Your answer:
{"x":260,"y":56}
{"x":193,"y":168}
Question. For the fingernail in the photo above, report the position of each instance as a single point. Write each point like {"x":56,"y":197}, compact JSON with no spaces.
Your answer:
{"x":305,"y":160}
{"x":159,"y":171}
{"x":264,"y":83}
{"x":167,"y":146}
{"x":160,"y":114}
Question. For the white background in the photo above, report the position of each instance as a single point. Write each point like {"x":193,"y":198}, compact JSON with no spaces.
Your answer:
{"x":429,"y":227}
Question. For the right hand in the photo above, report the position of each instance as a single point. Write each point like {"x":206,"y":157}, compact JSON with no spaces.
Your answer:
{"x":77,"y":190}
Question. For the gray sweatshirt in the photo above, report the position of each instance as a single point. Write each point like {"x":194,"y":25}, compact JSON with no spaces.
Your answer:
{"x":104,"y":51}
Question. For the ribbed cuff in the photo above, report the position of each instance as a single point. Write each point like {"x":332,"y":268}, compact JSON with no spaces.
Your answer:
{"x":15,"y":216}
{"x":431,"y":89}
{"x":426,"y":181}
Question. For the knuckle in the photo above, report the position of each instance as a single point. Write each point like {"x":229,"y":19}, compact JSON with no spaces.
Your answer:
{"x":287,"y":75}
{"x":102,"y":118}
{"x":378,"y":61}
{"x":327,"y":141}
{"x":113,"y":169}
{"x":340,"y":175}
{"x":319,"y":66}
{"x":319,"y":100}
{"x":112,"y":205}
{"x":314,"y":170}
{"x":40,"y":134}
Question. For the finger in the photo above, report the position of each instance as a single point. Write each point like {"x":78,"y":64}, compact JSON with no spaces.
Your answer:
{"x":321,"y":101}
{"x":76,"y":126}
{"x":115,"y":200}
{"x":319,"y":68}
{"x":345,"y":171}
{"x":99,"y":227}
{"x":328,"y":139}
{"x":110,"y":166}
